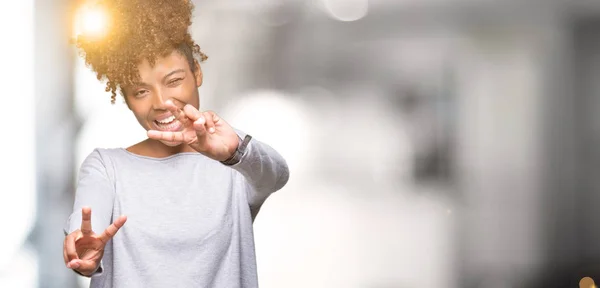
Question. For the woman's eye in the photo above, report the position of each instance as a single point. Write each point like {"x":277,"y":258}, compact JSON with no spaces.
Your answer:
{"x":140,"y":93}
{"x":175,"y":81}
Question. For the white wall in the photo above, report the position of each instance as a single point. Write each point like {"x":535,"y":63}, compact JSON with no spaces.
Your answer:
{"x":18,"y":262}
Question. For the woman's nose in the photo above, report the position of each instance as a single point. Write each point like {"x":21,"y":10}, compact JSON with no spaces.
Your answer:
{"x":158,"y":100}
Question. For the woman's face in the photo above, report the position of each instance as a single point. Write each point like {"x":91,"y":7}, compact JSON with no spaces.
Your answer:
{"x":171,"y":78}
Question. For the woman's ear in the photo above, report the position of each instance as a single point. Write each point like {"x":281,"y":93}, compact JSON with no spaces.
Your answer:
{"x":198,"y":74}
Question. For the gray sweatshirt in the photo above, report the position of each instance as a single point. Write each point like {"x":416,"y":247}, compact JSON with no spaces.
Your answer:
{"x":189,"y":217}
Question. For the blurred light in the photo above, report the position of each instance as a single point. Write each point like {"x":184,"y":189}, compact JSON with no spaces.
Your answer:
{"x":92,"y":21}
{"x":587,"y":282}
{"x":275,"y":13}
{"x":347,"y":10}
{"x":275,"y":119}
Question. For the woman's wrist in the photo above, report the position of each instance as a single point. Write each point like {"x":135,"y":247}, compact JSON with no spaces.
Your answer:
{"x":236,"y":157}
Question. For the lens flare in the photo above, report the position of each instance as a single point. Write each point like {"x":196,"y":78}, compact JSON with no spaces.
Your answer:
{"x":91,"y":21}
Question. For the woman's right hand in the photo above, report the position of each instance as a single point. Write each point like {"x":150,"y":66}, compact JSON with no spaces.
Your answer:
{"x":83,"y":249}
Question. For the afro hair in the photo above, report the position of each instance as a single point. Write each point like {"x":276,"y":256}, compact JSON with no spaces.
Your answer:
{"x":139,"y":30}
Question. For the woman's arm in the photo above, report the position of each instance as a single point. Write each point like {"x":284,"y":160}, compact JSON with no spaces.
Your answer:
{"x":264,"y":169}
{"x":94,"y":190}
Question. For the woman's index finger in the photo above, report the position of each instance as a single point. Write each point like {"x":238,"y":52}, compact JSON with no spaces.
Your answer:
{"x":177,"y":112}
{"x":191,"y":112}
{"x":86,"y":220}
{"x":112,"y":230}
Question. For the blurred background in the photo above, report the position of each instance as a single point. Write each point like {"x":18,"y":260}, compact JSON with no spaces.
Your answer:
{"x":431,"y":143}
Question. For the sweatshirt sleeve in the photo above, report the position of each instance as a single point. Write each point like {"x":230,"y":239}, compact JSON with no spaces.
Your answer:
{"x":94,"y":189}
{"x":264,"y":169}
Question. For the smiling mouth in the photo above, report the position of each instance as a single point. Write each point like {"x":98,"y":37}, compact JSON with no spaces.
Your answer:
{"x":166,"y":121}
{"x":168,"y":124}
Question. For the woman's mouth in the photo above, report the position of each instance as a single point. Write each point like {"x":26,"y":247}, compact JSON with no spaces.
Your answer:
{"x":168,"y":124}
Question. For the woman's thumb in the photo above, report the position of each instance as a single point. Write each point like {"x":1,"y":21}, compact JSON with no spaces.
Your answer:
{"x":85,"y":267}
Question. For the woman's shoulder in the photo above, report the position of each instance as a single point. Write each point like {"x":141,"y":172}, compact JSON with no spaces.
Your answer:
{"x":107,"y":161}
{"x":102,"y":156}
{"x":106,"y":152}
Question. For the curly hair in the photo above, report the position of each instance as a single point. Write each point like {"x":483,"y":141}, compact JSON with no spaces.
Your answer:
{"x":139,"y":29}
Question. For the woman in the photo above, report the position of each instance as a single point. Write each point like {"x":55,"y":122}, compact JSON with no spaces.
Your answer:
{"x":190,"y":191}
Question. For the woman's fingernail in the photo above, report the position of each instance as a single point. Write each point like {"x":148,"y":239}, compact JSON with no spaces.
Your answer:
{"x":75,"y":265}
{"x":211,"y":130}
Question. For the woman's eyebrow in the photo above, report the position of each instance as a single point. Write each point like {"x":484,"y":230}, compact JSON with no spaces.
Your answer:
{"x":142,"y":84}
{"x":173,"y":72}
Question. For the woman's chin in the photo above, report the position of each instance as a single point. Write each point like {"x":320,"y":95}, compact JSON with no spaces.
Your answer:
{"x":170,"y":144}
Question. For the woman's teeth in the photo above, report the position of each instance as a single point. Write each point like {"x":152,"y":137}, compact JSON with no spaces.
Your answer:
{"x":166,"y":120}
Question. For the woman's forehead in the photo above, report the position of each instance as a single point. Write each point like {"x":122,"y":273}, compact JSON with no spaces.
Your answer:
{"x":163,"y":65}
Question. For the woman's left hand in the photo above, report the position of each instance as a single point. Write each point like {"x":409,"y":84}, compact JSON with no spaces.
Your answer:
{"x":204,"y":131}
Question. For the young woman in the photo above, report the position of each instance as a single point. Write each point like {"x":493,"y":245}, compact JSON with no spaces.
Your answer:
{"x":190,"y":191}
